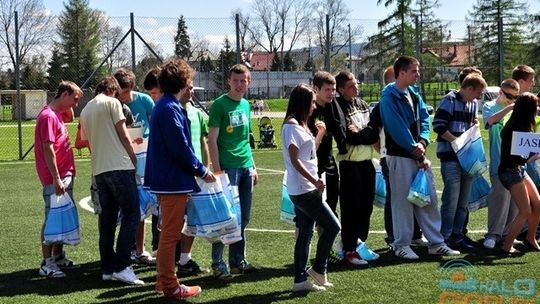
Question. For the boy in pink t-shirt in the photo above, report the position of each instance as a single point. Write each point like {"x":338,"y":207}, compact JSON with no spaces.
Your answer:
{"x":55,"y":165}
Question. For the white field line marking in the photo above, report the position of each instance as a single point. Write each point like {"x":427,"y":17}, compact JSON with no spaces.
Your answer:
{"x":85,"y":204}
{"x":271,"y":170}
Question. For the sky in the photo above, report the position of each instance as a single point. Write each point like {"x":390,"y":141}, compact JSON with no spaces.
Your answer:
{"x":211,"y":19}
{"x":361,"y":9}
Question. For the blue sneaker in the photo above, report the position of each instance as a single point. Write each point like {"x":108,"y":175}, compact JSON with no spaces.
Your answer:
{"x":366,"y":253}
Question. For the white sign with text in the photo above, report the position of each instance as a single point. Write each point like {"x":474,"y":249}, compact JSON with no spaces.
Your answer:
{"x":525,"y":143}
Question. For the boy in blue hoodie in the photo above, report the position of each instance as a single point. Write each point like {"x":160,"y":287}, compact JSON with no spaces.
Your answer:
{"x":406,"y":125}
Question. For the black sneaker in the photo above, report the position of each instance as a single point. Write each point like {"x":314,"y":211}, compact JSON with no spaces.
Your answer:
{"x":191,"y":268}
{"x":334,"y":257}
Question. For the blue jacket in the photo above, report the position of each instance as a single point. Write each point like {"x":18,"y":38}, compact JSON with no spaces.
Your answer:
{"x":403,"y":127}
{"x":171,"y":163}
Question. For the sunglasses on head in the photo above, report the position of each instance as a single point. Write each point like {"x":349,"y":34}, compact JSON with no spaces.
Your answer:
{"x":510,"y":96}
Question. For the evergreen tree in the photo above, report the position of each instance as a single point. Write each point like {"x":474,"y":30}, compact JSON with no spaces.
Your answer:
{"x":276,"y":62}
{"x":309,"y":65}
{"x":33,"y":73}
{"x":79,"y":46}
{"x":226,"y":59}
{"x":182,"y":44}
{"x":485,"y":30}
{"x":396,"y":36}
{"x":534,"y":55}
{"x":55,"y":69}
{"x":207,"y":65}
{"x":288,"y":63}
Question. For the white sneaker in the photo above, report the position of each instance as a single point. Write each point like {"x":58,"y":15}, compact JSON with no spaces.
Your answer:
{"x":144,"y":258}
{"x":307,"y":286}
{"x":320,"y":279}
{"x":489,"y":243}
{"x":406,"y":253}
{"x":127,"y":276}
{"x":51,"y":270}
{"x":106,"y":277}
{"x":422,"y":242}
{"x":443,"y":250}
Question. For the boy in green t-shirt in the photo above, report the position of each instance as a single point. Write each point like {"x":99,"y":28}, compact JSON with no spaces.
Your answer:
{"x":228,"y":142}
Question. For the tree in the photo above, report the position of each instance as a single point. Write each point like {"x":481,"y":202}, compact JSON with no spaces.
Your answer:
{"x":225,"y":60}
{"x":534,"y":55}
{"x":277,"y":25}
{"x":429,"y":25}
{"x":182,"y":44}
{"x":55,"y":69}
{"x":288,"y":63}
{"x":35,"y":27}
{"x":485,"y":30}
{"x":395,"y":36}
{"x":33,"y":74}
{"x":338,"y":30}
{"x":147,"y":62}
{"x":206,"y":64}
{"x":79,"y":45}
{"x":110,"y":38}
{"x":245,"y":23}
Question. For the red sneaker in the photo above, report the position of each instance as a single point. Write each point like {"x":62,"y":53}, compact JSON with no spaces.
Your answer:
{"x":184,"y":291}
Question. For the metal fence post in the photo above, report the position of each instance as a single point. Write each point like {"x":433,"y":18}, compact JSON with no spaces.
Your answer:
{"x":501,"y":48}
{"x":350,"y":49}
{"x":327,"y":46}
{"x":418,"y":42}
{"x":237,"y":22}
{"x":18,"y":84}
{"x":132,"y":30}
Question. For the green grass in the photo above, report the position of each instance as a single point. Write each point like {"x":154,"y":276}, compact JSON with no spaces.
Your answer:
{"x":388,"y":280}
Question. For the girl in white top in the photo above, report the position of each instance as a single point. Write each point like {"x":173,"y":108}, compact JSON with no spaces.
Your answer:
{"x":305,"y":190}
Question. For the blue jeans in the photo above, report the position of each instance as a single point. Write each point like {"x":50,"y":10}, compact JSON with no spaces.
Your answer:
{"x":455,"y":197}
{"x":117,"y":191}
{"x":243,"y":178}
{"x":309,"y":209}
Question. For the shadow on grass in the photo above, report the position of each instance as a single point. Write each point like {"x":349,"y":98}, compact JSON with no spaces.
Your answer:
{"x":88,"y":278}
{"x":28,"y":281}
{"x":478,"y":256}
{"x":146,"y":294}
{"x":263,"y":298}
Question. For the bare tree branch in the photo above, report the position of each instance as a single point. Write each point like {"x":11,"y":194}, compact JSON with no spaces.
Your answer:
{"x":35,"y":27}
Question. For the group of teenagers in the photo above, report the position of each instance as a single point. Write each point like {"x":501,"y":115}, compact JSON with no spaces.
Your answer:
{"x":398,"y":128}
{"x":182,"y":146}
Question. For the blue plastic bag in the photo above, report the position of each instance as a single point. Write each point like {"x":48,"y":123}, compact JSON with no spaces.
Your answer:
{"x":209,"y":211}
{"x":234,"y":204}
{"x":141,"y":163}
{"x":479,"y":193}
{"x":380,"y":189}
{"x":286,"y":213}
{"x":419,"y":193}
{"x":470,"y":151}
{"x":62,"y":222}
{"x":147,"y":201}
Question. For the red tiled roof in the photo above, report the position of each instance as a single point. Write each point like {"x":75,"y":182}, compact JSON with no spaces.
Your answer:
{"x":452,"y":53}
{"x":261,"y":61}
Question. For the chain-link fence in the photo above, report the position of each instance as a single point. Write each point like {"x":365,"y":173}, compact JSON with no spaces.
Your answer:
{"x":140,"y":43}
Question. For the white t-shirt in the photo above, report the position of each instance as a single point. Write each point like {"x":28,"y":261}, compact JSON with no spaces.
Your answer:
{"x":307,"y":154}
{"x":98,"y":120}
